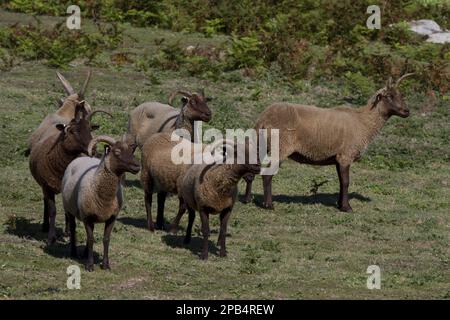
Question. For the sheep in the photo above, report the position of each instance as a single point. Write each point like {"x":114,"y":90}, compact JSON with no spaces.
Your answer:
{"x":211,"y":189}
{"x":51,"y":155}
{"x":63,"y":115}
{"x":150,"y":118}
{"x":337,"y":136}
{"x":158,"y":173}
{"x":92,"y":192}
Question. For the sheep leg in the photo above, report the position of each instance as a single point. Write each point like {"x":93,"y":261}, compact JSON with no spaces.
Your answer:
{"x":248,"y":190}
{"x":89,"y":226}
{"x":344,"y":180}
{"x":46,"y":221}
{"x":187,"y":239}
{"x":109,"y":224}
{"x":67,"y":228}
{"x":73,"y":235}
{"x":161,"y":200}
{"x":205,"y":231}
{"x":148,"y":208}
{"x":267,"y":185}
{"x":49,"y":202}
{"x":176,"y":221}
{"x":224,"y":216}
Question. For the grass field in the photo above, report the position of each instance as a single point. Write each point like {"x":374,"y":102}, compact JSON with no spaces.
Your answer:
{"x":304,"y":249}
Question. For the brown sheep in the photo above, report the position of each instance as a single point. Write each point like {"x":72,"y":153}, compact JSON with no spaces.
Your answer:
{"x":92,"y":192}
{"x":211,"y":189}
{"x":159,"y":174}
{"x":51,"y":155}
{"x":337,"y":136}
{"x":150,"y":118}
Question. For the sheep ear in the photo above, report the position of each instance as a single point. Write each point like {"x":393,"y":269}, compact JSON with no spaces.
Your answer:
{"x":60,"y":126}
{"x":184,"y":100}
{"x":107,"y":149}
{"x":389,"y":83}
{"x":376,"y":100}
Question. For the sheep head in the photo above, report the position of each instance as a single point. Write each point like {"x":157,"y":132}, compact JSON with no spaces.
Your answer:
{"x":389,"y":100}
{"x":76,"y":135}
{"x":71,"y":94}
{"x":120,"y":154}
{"x":195,"y":105}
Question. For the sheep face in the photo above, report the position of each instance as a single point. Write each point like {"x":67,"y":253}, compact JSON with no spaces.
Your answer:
{"x":76,"y":135}
{"x":195,"y":107}
{"x":391,"y":103}
{"x":122,"y":159}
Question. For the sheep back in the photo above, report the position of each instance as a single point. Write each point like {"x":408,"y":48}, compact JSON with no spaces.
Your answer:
{"x":150,"y":118}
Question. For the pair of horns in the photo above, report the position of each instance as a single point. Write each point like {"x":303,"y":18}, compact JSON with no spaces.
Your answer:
{"x":93,"y":144}
{"x":184,"y":93}
{"x":390,"y":83}
{"x":68,"y":87}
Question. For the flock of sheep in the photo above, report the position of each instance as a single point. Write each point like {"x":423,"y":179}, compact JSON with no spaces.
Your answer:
{"x":62,"y":159}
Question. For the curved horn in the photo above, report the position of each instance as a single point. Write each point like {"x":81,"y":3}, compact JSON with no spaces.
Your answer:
{"x":174,"y":94}
{"x":403,"y":77}
{"x":86,"y":82}
{"x":94,"y":112}
{"x":66,"y":85}
{"x":98,"y":139}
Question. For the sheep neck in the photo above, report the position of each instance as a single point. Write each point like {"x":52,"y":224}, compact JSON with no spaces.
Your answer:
{"x":106,"y":182}
{"x":374,"y":121}
{"x":225,"y":177}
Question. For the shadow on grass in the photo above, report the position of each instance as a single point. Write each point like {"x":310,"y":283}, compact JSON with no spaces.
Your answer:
{"x":195,"y":246}
{"x":141,"y":223}
{"x":25,"y":228}
{"x":133,"y":183}
{"x":326,"y":199}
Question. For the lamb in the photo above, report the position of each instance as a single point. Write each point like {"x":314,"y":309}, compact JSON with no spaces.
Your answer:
{"x":211,"y":189}
{"x":337,"y":136}
{"x":51,"y":155}
{"x":92,"y":192}
{"x":150,"y":118}
{"x":63,"y":115}
{"x":159,"y":174}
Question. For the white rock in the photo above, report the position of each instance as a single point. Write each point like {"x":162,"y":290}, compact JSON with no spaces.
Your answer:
{"x":424,"y":27}
{"x":441,"y":37}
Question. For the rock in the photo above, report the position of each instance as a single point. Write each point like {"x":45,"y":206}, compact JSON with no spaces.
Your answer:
{"x":431,"y":29}
{"x":425,"y":27}
{"x":441,"y":37}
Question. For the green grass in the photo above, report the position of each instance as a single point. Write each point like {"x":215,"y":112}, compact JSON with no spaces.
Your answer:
{"x":304,"y":249}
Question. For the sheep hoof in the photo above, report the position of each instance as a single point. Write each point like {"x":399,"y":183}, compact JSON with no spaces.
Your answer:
{"x":268,"y":206}
{"x":151,"y":228}
{"x":51,"y":240}
{"x":346,"y":209}
{"x":222,"y":253}
{"x":89,"y":267}
{"x":159,"y":226}
{"x":105,"y":266}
